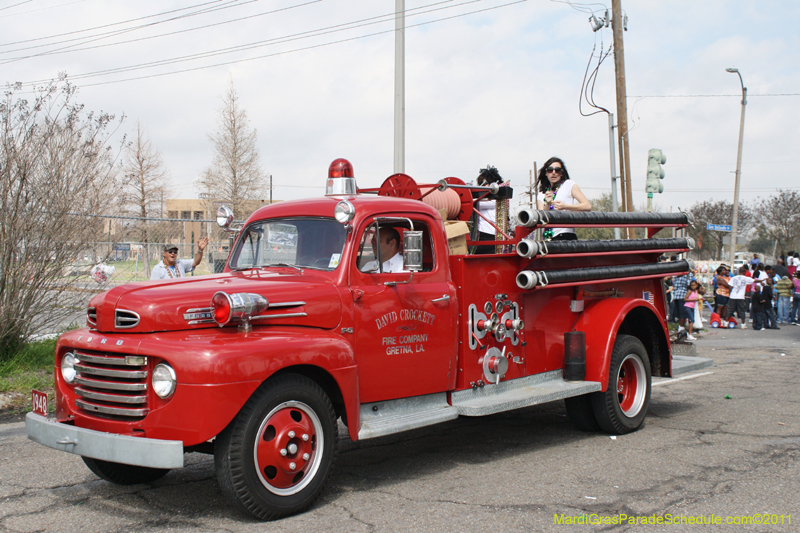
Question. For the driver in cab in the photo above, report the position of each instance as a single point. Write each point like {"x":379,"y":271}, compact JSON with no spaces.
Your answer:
{"x":389,"y":247}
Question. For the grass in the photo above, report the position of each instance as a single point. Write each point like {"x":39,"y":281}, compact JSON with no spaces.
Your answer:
{"x":30,"y":368}
{"x":129,"y":271}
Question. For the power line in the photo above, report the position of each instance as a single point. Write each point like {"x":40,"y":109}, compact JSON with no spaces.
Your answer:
{"x":709,"y":95}
{"x":93,"y":38}
{"x":176,"y":32}
{"x":389,"y":15}
{"x":46,"y":8}
{"x":15,"y":5}
{"x":583,"y":8}
{"x":266,"y":42}
{"x":105,"y":25}
{"x":259,"y":44}
{"x":589,"y":80}
{"x":674,"y":190}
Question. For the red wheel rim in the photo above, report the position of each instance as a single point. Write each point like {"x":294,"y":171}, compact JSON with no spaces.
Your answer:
{"x":288,"y":448}
{"x":631,"y":385}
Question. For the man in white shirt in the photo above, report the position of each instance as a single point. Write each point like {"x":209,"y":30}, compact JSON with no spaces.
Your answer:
{"x":736,"y":300}
{"x":389,"y":248}
{"x":172,"y":267}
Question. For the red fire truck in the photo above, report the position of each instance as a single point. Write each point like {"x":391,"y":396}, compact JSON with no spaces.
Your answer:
{"x":308,"y":326}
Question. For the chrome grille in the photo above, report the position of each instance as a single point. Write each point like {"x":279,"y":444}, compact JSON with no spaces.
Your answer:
{"x":91,"y":316}
{"x":111,"y":385}
{"x":124,"y":319}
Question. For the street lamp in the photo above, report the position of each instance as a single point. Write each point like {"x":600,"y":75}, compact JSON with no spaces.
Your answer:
{"x":735,"y":221}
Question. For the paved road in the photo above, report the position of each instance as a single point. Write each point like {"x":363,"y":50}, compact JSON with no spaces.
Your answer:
{"x":699,"y":453}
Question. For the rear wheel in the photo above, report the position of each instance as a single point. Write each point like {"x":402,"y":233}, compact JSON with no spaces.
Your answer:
{"x":275,"y":457}
{"x":623,"y":406}
{"x":124,"y":474}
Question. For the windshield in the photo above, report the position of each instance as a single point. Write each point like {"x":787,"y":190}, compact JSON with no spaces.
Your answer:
{"x":299,"y":242}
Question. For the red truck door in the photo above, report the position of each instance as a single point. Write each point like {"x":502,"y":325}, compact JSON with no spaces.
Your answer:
{"x":405,"y":333}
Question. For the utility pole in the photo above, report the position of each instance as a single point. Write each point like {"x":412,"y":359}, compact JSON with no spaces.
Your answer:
{"x":531,"y":192}
{"x":614,"y":202}
{"x":270,"y":189}
{"x":735,"y":220}
{"x":622,"y":107}
{"x":399,"y":87}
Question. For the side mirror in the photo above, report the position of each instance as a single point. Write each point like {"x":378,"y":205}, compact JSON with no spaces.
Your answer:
{"x":412,"y":251}
{"x":224,"y":217}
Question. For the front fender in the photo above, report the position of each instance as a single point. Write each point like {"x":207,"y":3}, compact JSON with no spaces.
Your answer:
{"x":231,"y":356}
{"x":217,"y":371}
{"x":600,"y":322}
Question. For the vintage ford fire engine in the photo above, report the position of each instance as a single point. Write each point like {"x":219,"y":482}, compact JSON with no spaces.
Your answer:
{"x":305,"y":327}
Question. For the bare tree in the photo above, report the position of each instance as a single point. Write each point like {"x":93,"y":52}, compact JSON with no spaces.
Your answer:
{"x":717,"y":212}
{"x":56,"y":167}
{"x":235,"y":176}
{"x":145,"y":186}
{"x":605,"y":203}
{"x":601,"y":203}
{"x":779,"y":217}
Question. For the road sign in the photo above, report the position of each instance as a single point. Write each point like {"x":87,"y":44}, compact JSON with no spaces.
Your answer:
{"x":718,"y":227}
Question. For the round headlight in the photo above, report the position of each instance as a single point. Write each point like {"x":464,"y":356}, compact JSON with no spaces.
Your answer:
{"x":164,"y":380}
{"x":344,"y":212}
{"x":68,"y":371}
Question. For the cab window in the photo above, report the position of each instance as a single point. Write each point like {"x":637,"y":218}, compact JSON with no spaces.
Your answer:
{"x":315,"y":243}
{"x":387,"y":240}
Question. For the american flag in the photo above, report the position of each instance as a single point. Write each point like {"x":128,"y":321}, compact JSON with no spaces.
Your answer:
{"x":649,"y":296}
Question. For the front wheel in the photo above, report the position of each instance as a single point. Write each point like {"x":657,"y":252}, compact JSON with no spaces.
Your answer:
{"x":275,"y":457}
{"x":121,"y":474}
{"x":623,"y":406}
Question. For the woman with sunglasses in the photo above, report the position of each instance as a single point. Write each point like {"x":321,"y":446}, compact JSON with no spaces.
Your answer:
{"x":558,"y":192}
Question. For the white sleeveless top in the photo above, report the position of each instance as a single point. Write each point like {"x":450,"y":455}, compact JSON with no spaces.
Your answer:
{"x":488,"y":209}
{"x":563,"y":195}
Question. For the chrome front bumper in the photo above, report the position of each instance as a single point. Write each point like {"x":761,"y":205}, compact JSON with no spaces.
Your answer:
{"x":111,"y":447}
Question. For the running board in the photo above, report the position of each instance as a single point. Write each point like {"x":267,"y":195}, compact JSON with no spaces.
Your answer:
{"x":393,"y":416}
{"x":517,"y":393}
{"x":683,"y":364}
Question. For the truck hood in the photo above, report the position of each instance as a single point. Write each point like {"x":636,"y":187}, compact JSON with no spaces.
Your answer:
{"x":144,"y":307}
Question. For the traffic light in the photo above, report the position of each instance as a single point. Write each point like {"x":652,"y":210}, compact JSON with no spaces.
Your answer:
{"x":655,"y":173}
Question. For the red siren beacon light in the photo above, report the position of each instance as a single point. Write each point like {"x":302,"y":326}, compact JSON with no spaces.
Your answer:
{"x":340,"y":168}
{"x":340,"y":179}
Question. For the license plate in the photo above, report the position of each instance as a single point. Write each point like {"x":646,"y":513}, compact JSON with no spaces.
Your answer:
{"x":39,"y":402}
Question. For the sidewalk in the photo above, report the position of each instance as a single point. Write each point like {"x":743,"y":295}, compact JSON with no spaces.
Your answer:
{"x":787,"y":336}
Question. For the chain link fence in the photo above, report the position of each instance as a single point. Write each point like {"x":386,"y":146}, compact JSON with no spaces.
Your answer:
{"x":133,"y":246}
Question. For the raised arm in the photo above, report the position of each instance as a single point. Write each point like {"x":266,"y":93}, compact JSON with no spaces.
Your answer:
{"x":201,"y":246}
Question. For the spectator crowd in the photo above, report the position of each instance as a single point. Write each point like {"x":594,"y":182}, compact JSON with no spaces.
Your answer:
{"x":769,"y":294}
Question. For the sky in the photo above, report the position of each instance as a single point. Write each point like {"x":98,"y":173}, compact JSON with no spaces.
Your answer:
{"x":488,"y":82}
